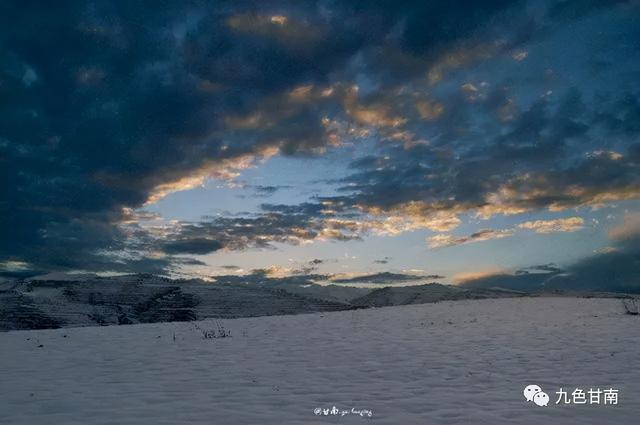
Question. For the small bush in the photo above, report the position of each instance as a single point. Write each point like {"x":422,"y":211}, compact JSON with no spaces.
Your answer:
{"x":631,"y":306}
{"x":213,"y":333}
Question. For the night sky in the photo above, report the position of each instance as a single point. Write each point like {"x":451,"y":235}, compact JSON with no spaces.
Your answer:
{"x":194,"y":138}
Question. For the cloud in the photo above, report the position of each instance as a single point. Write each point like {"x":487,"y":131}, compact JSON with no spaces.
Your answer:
{"x":429,"y":110}
{"x":564,"y":10}
{"x":546,"y":268}
{"x":445,"y":240}
{"x":192,"y":246}
{"x":272,"y":271}
{"x":412,"y":215}
{"x":288,"y":32}
{"x":264,"y":191}
{"x":300,"y":224}
{"x":571,"y":224}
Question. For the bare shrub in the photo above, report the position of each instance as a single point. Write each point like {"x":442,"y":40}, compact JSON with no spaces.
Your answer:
{"x":631,"y":306}
{"x":218,"y":331}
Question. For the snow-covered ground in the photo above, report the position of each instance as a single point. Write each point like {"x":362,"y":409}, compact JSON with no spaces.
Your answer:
{"x":447,"y":363}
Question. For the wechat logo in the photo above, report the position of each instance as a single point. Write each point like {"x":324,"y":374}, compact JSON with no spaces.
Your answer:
{"x":534,"y":393}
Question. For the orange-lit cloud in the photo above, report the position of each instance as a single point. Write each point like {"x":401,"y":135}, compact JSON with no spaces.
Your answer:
{"x":225,"y":170}
{"x":377,"y":114}
{"x":291,"y":33}
{"x":429,"y":110}
{"x":462,"y":277}
{"x":445,"y":240}
{"x":571,"y":224}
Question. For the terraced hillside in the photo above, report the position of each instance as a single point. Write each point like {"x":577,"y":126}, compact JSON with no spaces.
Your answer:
{"x":43,"y":304}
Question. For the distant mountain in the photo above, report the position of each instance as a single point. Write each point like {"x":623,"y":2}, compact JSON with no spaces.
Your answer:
{"x":429,"y":293}
{"x":301,"y":285}
{"x":382,"y":278}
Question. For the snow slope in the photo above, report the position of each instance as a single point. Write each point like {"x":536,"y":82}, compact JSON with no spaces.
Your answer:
{"x":456,"y":362}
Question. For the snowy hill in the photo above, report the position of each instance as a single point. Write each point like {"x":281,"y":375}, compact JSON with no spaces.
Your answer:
{"x":43,"y":304}
{"x":144,"y":298}
{"x":456,"y":362}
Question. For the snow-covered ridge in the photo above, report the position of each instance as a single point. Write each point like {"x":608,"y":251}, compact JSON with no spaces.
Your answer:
{"x":91,"y":301}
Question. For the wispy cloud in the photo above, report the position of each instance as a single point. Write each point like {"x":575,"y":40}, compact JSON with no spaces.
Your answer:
{"x":445,"y":240}
{"x":571,"y":224}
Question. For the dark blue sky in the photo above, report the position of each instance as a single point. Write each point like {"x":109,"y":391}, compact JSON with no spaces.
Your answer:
{"x":452,"y":138}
